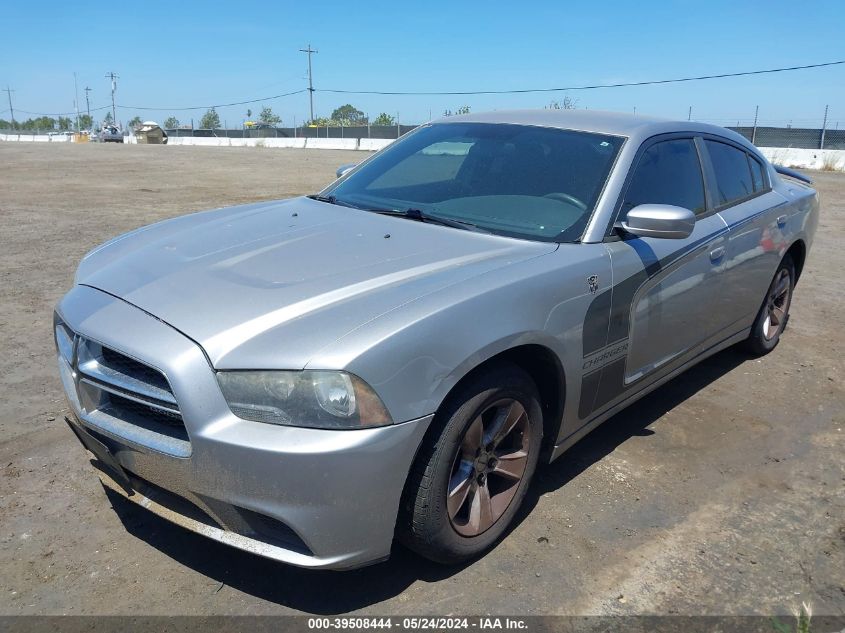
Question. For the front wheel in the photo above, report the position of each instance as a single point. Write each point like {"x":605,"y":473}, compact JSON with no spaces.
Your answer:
{"x":475,"y":466}
{"x":774,"y":313}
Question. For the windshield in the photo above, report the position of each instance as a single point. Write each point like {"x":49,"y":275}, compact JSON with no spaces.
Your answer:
{"x":516,"y":180}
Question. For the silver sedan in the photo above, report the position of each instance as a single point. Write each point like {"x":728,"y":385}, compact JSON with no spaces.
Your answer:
{"x":306,"y":379}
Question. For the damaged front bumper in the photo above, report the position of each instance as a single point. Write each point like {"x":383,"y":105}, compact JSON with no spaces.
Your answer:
{"x":307,"y":497}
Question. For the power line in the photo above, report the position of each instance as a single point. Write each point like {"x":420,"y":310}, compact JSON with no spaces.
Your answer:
{"x":105,"y":107}
{"x":311,"y":89}
{"x":590,"y":87}
{"x":204,"y":107}
{"x":218,"y":105}
{"x":477,"y":92}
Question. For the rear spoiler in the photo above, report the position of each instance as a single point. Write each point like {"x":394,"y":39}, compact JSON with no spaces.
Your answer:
{"x":786,"y":171}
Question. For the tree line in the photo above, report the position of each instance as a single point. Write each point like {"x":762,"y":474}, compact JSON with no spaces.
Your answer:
{"x":344,"y":116}
{"x":62,"y":123}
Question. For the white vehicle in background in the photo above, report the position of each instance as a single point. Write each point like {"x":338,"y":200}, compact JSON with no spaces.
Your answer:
{"x":110,"y":134}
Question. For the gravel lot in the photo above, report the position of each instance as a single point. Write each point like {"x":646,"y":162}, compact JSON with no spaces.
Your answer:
{"x":721,"y":493}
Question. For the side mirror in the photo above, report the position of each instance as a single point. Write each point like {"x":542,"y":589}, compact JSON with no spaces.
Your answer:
{"x":345,"y":169}
{"x":659,"y":220}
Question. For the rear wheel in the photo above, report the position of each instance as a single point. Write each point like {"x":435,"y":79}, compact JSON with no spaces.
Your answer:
{"x":475,"y":466}
{"x":774,"y":313}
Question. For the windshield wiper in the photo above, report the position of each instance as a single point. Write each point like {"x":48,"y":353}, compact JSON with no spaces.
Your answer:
{"x":412,"y":214}
{"x":331,"y":200}
{"x":319,"y":198}
{"x":421,"y":216}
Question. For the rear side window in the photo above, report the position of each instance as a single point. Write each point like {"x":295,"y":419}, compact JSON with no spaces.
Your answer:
{"x":757,"y":178}
{"x":733,"y":175}
{"x":668,"y":172}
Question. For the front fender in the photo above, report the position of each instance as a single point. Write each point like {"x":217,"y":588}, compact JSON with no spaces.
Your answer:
{"x":414,"y":356}
{"x":441,"y":390}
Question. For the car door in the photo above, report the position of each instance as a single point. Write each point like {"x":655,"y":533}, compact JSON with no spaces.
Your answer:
{"x":663,"y":289}
{"x":757,"y":220}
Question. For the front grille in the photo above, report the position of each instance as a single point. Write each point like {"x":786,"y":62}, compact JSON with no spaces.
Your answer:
{"x":131,"y":367}
{"x":146,"y":416}
{"x":110,"y":383}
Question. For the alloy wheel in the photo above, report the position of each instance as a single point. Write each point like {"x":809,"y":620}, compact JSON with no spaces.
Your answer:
{"x":777,"y":305}
{"x":489,"y":465}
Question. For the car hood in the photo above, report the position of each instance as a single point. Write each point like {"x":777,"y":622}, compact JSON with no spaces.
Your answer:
{"x":268,"y":285}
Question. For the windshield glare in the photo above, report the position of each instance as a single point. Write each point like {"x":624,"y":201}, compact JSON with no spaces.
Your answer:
{"x":516,"y":180}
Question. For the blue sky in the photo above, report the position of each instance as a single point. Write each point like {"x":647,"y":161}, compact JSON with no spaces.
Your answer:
{"x":187,"y":53}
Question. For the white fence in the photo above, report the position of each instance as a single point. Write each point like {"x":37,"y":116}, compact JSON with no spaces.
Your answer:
{"x":365,"y":144}
{"x":36,"y":138}
{"x":788,"y":156}
{"x":829,"y":159}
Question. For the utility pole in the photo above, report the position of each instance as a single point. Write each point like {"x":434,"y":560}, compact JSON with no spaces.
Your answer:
{"x":824,"y":127}
{"x":754,"y":129}
{"x":9,"y":92}
{"x":689,"y":114}
{"x":87,"y":102}
{"x":114,"y":78}
{"x":310,"y":51}
{"x":76,"y":101}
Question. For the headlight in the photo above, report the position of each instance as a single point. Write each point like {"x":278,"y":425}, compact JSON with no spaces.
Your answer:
{"x":317,"y":399}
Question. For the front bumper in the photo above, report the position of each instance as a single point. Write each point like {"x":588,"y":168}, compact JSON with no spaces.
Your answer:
{"x":308,"y":497}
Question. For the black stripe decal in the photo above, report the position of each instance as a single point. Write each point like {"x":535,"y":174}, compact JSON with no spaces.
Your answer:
{"x":596,"y":322}
{"x":604,"y":379}
{"x":596,"y":391}
{"x":624,"y":291}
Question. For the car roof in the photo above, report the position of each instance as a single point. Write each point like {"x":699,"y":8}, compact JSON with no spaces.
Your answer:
{"x":635,"y":127}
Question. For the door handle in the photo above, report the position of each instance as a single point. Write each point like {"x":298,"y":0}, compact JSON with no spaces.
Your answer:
{"x":782,"y":221}
{"x":717,"y":253}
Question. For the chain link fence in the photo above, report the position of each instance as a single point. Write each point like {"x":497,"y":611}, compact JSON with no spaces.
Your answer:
{"x":361,"y":131}
{"x":806,"y":138}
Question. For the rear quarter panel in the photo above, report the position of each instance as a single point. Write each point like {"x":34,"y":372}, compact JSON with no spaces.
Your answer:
{"x":761,"y":231}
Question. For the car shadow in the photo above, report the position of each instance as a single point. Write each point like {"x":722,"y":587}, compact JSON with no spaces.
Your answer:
{"x":319,"y":592}
{"x":633,"y":421}
{"x":327,"y":592}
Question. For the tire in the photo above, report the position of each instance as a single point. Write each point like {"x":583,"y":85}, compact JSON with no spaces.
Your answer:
{"x":456,"y":454}
{"x":765,"y":333}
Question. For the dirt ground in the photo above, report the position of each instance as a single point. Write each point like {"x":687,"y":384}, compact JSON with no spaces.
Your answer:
{"x":721,"y":493}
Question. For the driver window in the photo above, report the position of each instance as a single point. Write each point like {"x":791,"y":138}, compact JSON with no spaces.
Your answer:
{"x":668,"y":172}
